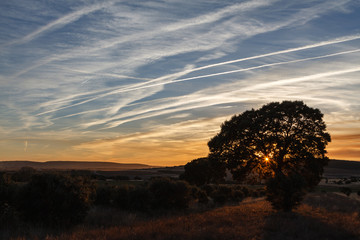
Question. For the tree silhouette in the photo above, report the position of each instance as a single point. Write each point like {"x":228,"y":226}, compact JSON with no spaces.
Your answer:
{"x":282,"y":144}
{"x":54,"y":200}
{"x":203,"y":171}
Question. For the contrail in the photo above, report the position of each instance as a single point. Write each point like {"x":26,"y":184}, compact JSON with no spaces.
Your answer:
{"x":147,"y":85}
{"x":320,"y":44}
{"x":330,"y":42}
{"x":261,"y":66}
{"x":251,"y":88}
{"x":301,"y":79}
{"x":71,"y":17}
{"x":26,"y":145}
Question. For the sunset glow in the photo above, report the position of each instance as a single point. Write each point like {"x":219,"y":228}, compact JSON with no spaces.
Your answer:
{"x":150,"y":82}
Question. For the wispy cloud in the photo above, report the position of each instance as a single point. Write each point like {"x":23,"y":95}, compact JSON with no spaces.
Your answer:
{"x":60,"y":22}
{"x":151,"y":84}
{"x":168,"y":72}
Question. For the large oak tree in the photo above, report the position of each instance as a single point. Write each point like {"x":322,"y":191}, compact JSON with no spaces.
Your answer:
{"x":281,"y":144}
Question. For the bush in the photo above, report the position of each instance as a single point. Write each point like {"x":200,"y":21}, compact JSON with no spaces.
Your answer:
{"x":140,"y":199}
{"x":54,"y":200}
{"x":122,"y":198}
{"x":285,"y":192}
{"x":105,"y":196}
{"x":222,"y":194}
{"x":169,"y":194}
{"x":8,"y":214}
{"x":199,"y":194}
{"x":209,"y":189}
{"x":133,"y":198}
{"x":238,"y":195}
{"x":347,"y":191}
{"x":203,"y":171}
{"x":24,"y":174}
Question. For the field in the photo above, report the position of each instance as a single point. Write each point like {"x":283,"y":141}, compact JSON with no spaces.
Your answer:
{"x":321,"y":216}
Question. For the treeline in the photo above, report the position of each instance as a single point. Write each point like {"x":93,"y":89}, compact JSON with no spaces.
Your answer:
{"x":62,"y":200}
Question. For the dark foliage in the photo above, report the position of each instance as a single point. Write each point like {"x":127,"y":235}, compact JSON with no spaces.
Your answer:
{"x":278,"y":141}
{"x":286,"y":192}
{"x":105,"y":195}
{"x":133,"y":198}
{"x":55,"y":200}
{"x":24,"y":174}
{"x":170,"y":194}
{"x":222,"y":194}
{"x":347,"y":191}
{"x":8,"y":213}
{"x":203,"y":171}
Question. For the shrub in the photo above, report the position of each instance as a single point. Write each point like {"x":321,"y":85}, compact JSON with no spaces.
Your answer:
{"x":140,"y":199}
{"x":284,"y":192}
{"x":8,"y":214}
{"x":122,"y":196}
{"x":347,"y":191}
{"x":258,"y":193}
{"x":238,"y":195}
{"x":209,"y":189}
{"x":203,"y":171}
{"x":105,"y":195}
{"x":199,"y":194}
{"x":169,"y":194}
{"x":222,"y":194}
{"x":24,"y":174}
{"x":55,"y":200}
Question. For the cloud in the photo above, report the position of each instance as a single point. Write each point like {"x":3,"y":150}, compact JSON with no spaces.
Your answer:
{"x":165,"y":79}
{"x":105,"y":70}
{"x":60,"y":22}
{"x":219,"y":95}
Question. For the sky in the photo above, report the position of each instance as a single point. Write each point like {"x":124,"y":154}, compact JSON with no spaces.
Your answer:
{"x":151,"y":81}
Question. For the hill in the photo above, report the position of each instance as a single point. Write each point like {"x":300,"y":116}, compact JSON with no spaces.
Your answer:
{"x":335,"y":168}
{"x":342,"y":168}
{"x":72,"y":165}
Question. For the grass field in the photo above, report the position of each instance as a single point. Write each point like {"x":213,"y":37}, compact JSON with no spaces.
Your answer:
{"x":321,"y":216}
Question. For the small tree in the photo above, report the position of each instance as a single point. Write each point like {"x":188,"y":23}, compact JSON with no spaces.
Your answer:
{"x":203,"y":171}
{"x":282,"y":144}
{"x":170,"y":194}
{"x":55,"y":200}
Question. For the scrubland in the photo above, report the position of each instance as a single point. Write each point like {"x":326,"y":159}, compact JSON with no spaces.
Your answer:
{"x":68,"y":207}
{"x":321,"y":216}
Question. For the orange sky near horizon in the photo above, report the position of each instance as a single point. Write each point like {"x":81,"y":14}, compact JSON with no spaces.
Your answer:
{"x":155,"y":148}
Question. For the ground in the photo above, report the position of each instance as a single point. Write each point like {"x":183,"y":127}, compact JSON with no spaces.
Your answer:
{"x":322,"y":216}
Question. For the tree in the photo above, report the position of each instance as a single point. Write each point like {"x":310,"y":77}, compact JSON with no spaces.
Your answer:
{"x":203,"y":171}
{"x":282,"y":144}
{"x":169,"y":194}
{"x":55,"y":200}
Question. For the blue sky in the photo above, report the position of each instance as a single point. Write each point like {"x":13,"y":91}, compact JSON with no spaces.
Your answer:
{"x":151,"y":81}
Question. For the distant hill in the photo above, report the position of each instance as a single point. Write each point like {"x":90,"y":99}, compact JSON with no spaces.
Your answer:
{"x":335,"y":168}
{"x":72,"y":165}
{"x":342,"y":168}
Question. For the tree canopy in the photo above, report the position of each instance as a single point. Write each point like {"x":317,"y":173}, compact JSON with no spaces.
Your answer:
{"x":282,"y":144}
{"x":203,"y":171}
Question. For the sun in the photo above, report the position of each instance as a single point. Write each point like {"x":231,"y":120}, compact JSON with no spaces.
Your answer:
{"x":266,"y":159}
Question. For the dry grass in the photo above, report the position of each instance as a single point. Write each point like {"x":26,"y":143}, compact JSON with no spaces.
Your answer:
{"x":231,"y":222}
{"x":326,"y":216}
